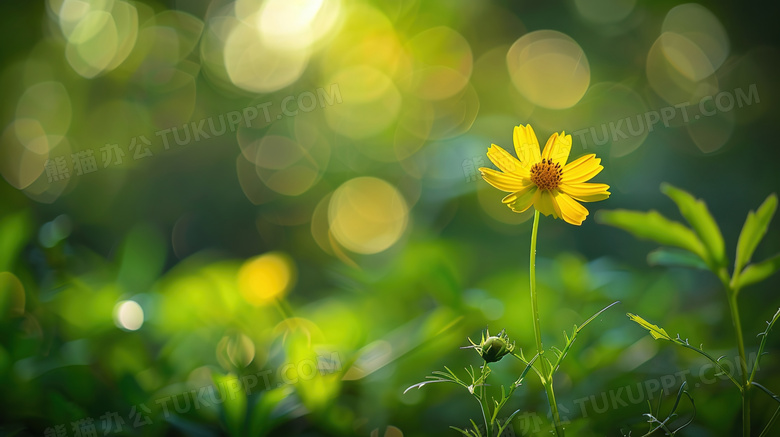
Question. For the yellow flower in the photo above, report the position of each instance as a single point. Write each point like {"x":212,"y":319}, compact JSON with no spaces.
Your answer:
{"x":544,"y":180}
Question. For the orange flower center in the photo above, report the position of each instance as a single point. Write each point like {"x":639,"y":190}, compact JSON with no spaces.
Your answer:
{"x":546,"y":175}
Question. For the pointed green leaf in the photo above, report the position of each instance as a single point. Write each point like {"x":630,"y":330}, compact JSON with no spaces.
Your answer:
{"x":270,"y":410}
{"x":234,"y":406}
{"x":698,"y":216}
{"x":653,"y":226}
{"x":759,"y":271}
{"x":654,"y":330}
{"x":753,"y":232}
{"x":670,"y":257}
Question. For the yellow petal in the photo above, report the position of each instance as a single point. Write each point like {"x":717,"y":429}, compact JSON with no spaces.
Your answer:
{"x":556,"y":205}
{"x":545,"y":203}
{"x":586,"y":192}
{"x":511,"y":198}
{"x":572,"y":211}
{"x":582,"y":169}
{"x":557,"y":148}
{"x":506,"y":162}
{"x":525,"y":199}
{"x":526,"y":146}
{"x":508,"y":182}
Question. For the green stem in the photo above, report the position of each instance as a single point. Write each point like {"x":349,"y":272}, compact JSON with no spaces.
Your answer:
{"x":534,"y":304}
{"x":742,"y":362}
{"x":761,"y":347}
{"x":483,"y":403}
{"x":715,"y":362}
{"x":548,"y":388}
{"x":547,"y":379}
{"x":770,"y":423}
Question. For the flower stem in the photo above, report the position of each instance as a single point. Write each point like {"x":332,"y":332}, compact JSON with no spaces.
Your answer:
{"x":547,"y":377}
{"x":534,"y":305}
{"x":548,"y":388}
{"x":742,"y":362}
{"x":483,"y":403}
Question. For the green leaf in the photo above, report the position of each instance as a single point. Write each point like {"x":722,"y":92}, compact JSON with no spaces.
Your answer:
{"x":698,"y":216}
{"x":234,"y":406}
{"x":670,"y":257}
{"x":653,"y":226}
{"x":654,"y":330}
{"x":753,"y":232}
{"x":759,"y":271}
{"x":270,"y":410}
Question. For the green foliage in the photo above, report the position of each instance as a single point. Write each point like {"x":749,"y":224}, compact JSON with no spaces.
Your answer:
{"x":477,"y":386}
{"x":670,"y":257}
{"x":660,"y":333}
{"x":653,"y":226}
{"x":425,"y":87}
{"x":659,"y":423}
{"x":704,"y":240}
{"x":754,"y":229}
{"x":234,"y":405}
{"x":753,"y":232}
{"x":655,"y":331}
{"x":708,"y":235}
{"x":269,"y":411}
{"x":698,"y":216}
{"x":754,"y":273}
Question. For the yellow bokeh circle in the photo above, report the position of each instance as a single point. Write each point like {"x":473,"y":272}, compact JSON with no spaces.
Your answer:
{"x":703,"y":30}
{"x":549,"y":69}
{"x":266,"y":277}
{"x":367,"y":215}
{"x":443,"y":63}
{"x":371,"y":102}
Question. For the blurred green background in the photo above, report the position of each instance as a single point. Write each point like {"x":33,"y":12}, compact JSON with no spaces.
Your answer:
{"x":263,"y":217}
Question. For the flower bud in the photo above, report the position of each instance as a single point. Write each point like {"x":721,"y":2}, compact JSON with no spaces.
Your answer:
{"x":493,"y":348}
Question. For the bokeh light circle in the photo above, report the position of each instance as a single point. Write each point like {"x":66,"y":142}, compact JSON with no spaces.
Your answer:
{"x":24,"y":153}
{"x":702,"y":29}
{"x":549,"y":68}
{"x":296,"y":23}
{"x":605,"y":11}
{"x":366,"y":37}
{"x":685,"y":56}
{"x":367,"y":215}
{"x":49,"y":104}
{"x":266,"y":277}
{"x":128,"y":315}
{"x":291,"y":166}
{"x":276,"y":161}
{"x":678,"y":71}
{"x":235,"y":351}
{"x":612,"y":118}
{"x":443,"y":63}
{"x":100,"y":34}
{"x":254,"y":66}
{"x":711,"y":133}
{"x":371,"y":102}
